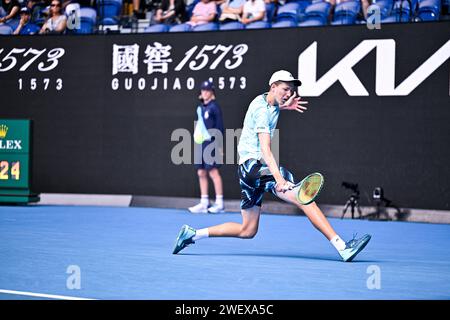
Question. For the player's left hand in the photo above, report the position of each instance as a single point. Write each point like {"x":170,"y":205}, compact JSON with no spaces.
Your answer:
{"x":294,"y":103}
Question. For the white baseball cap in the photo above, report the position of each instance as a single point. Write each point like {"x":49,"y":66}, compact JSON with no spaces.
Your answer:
{"x":283,"y":75}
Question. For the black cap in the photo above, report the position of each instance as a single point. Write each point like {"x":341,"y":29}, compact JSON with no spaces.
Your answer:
{"x":207,"y":85}
{"x":25,"y":10}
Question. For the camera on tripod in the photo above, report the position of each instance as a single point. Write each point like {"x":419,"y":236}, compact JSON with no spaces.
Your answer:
{"x":381,"y":205}
{"x":378,"y":194}
{"x":351,"y":186}
{"x":352,"y":200}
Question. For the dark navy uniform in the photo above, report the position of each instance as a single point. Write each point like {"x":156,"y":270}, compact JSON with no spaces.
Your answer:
{"x":212,"y":117}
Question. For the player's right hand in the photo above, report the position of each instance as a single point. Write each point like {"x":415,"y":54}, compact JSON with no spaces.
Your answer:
{"x":294,"y":103}
{"x":284,"y":186}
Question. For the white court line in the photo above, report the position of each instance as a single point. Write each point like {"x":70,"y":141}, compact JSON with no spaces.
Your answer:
{"x":42,"y":295}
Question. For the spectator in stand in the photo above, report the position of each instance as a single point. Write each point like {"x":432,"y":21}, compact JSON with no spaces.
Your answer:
{"x":64,"y":4}
{"x":57,"y":22}
{"x":364,"y":6}
{"x":171,"y":12}
{"x":25,"y":26}
{"x":137,"y":9}
{"x":38,"y":10}
{"x":254,"y":10}
{"x":9,"y":10}
{"x":272,"y":8}
{"x":232,"y":10}
{"x":205,"y":11}
{"x":85,"y":3}
{"x":333,"y":4}
{"x":140,"y":9}
{"x":30,"y":4}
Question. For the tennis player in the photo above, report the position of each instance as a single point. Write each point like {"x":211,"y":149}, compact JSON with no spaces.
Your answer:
{"x":258,"y":173}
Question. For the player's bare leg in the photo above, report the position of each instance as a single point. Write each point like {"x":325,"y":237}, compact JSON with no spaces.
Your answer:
{"x":347,"y":250}
{"x":245,"y":230}
{"x":312,"y":211}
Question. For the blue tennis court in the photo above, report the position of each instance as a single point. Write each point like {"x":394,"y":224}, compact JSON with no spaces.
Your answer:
{"x":125,"y":253}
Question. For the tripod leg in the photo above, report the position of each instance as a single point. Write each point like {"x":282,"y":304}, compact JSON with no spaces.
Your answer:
{"x":359,"y":209}
{"x":345,"y":209}
{"x":378,"y":211}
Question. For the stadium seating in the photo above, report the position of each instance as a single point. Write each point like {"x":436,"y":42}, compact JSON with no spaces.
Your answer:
{"x":445,"y":7}
{"x":5,"y":29}
{"x":232,"y":26}
{"x":88,"y":20}
{"x":258,"y":25}
{"x":346,"y":12}
{"x":385,"y":7}
{"x":316,"y":14}
{"x":289,"y":12}
{"x":312,"y":22}
{"x":210,"y":26}
{"x":157,"y":28}
{"x":429,"y":10}
{"x":303,"y":5}
{"x":13,"y":23}
{"x":300,"y":6}
{"x":284,"y":24}
{"x":401,"y":12}
{"x":184,"y":27}
{"x":109,"y":11}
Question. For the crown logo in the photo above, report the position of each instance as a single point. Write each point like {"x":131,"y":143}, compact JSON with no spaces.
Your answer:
{"x":3,"y":131}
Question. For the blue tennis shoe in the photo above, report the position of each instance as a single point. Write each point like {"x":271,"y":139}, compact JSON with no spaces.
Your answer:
{"x":353,"y":247}
{"x":184,"y":238}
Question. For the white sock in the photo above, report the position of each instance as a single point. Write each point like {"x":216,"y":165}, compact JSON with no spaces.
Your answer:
{"x":219,"y":200}
{"x":338,"y":243}
{"x":205,"y":200}
{"x":200,"y":234}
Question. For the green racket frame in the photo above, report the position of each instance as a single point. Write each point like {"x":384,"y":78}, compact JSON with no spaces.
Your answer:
{"x":302,"y":185}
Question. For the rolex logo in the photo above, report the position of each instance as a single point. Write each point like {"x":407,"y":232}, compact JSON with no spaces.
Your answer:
{"x":3,"y":131}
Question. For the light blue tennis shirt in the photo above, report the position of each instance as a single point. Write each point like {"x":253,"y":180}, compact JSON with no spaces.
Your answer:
{"x":260,"y":117}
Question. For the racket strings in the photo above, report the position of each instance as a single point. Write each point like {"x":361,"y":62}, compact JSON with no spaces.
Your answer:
{"x":310,"y":188}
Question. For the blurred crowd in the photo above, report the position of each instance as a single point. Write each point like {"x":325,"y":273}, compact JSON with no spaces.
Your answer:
{"x":85,"y":16}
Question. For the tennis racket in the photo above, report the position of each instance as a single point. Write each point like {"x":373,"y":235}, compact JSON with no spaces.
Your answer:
{"x":310,"y":188}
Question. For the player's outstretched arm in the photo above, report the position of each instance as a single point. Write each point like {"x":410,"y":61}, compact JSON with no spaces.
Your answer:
{"x":282,"y":185}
